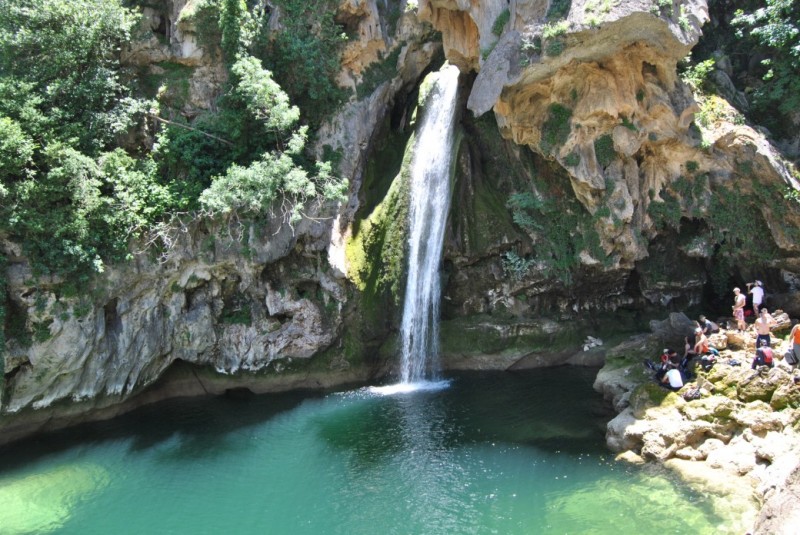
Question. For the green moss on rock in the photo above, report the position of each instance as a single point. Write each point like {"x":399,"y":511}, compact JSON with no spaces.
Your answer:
{"x":376,"y":249}
{"x":482,"y":335}
{"x":645,"y":396}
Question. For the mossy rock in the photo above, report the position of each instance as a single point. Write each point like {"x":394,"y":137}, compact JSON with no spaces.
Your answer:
{"x":481,"y":335}
{"x":785,"y":396}
{"x":645,"y":396}
{"x":757,"y":387}
{"x":714,"y":409}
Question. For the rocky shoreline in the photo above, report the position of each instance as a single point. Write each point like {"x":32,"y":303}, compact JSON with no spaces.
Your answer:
{"x":738,"y":442}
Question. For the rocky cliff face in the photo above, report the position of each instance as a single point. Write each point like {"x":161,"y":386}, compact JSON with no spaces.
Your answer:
{"x":250,"y":300}
{"x":590,"y":180}
{"x":657,"y":178}
{"x":736,"y":438}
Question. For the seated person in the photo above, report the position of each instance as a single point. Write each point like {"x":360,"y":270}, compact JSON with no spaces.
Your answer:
{"x":672,"y":378}
{"x":666,"y":355}
{"x":701,"y":345}
{"x":708,"y":326}
{"x":763,"y":356}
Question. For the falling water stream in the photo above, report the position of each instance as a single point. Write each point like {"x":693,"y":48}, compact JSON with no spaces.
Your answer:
{"x":480,"y":453}
{"x":429,"y":204}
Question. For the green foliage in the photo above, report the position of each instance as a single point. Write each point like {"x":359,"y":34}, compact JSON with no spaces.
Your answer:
{"x":556,"y":128}
{"x":515,"y":266}
{"x":735,"y":229}
{"x":3,"y":293}
{"x":715,"y":109}
{"x":555,"y":47}
{"x":683,"y":19}
{"x":231,"y":14}
{"x":377,"y":73}
{"x":697,"y":75}
{"x":629,"y":125}
{"x":572,"y":159}
{"x":500,"y":22}
{"x":275,"y":176}
{"x":692,"y":166}
{"x":552,"y":30}
{"x":74,"y":200}
{"x":792,"y":194}
{"x":62,"y":103}
{"x":16,"y":150}
{"x":531,"y":44}
{"x":263,"y":97}
{"x":596,"y":10}
{"x":307,"y":62}
{"x":663,"y":7}
{"x":58,"y":60}
{"x":558,"y":9}
{"x":237,"y":314}
{"x":604,"y":150}
{"x":774,"y":31}
{"x":561,"y":229}
{"x":667,"y":213}
{"x":376,"y":250}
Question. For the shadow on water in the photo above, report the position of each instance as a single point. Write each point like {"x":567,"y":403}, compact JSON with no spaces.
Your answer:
{"x":554,"y":410}
{"x":202,"y":426}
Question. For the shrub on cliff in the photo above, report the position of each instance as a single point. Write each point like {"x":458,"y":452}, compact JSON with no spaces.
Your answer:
{"x":72,"y":197}
{"x":62,"y":104}
{"x":774,"y":31}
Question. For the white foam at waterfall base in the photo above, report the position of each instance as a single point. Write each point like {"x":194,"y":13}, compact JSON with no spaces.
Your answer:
{"x":429,"y":205}
{"x":409,"y":388}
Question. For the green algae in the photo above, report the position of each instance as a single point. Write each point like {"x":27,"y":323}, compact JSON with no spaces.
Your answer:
{"x":44,"y":502}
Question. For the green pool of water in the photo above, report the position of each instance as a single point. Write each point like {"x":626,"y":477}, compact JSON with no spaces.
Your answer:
{"x":492,"y":453}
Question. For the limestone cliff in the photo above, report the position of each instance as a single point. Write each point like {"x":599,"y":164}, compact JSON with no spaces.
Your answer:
{"x":636,"y":184}
{"x":243,"y":303}
{"x":590,"y":180}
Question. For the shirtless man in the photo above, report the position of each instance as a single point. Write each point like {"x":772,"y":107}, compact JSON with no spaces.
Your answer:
{"x":739,"y":301}
{"x":763,"y":325}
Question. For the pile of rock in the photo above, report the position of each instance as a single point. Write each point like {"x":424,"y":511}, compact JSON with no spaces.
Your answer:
{"x":741,"y":437}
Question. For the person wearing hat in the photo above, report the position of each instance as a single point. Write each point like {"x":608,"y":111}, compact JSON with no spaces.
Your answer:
{"x":757,"y":289}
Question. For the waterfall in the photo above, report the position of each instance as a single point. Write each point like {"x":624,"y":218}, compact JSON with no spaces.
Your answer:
{"x":429,"y":204}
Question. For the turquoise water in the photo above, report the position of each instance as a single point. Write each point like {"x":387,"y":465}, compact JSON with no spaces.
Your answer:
{"x":492,"y":453}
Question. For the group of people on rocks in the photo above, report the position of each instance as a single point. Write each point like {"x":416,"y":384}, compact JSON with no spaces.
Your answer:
{"x":674,"y":370}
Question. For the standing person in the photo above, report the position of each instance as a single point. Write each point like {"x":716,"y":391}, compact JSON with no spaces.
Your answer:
{"x":739,"y":301}
{"x":763,"y":325}
{"x":757,"y":289}
{"x":794,"y":338}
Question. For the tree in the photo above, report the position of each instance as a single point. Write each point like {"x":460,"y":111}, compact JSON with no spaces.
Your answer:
{"x":277,"y":177}
{"x":775,"y":31}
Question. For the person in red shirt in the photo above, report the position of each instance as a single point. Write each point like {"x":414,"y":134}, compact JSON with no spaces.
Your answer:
{"x":763,"y":356}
